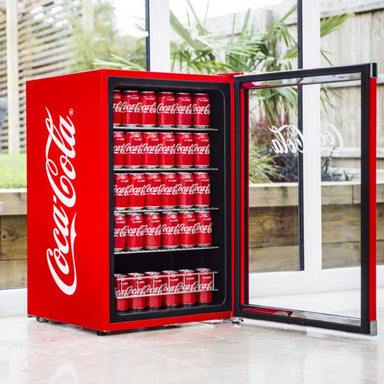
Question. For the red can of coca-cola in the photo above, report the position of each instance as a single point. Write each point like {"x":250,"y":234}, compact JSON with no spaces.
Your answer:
{"x":154,"y":289}
{"x":151,"y":149}
{"x":133,"y":149}
{"x":135,"y":231}
{"x":201,"y":110}
{"x":117,"y":103}
{"x":202,"y":189}
{"x":184,"y":149}
{"x":121,"y":191}
{"x":171,"y":289}
{"x":203,"y":229}
{"x":167,"y":149}
{"x":183,"y":109}
{"x":152,"y":190}
{"x":187,"y":229}
{"x":168,"y":190}
{"x":118,"y":149}
{"x":152,"y":235}
{"x":205,"y":285}
{"x":185,"y":190}
{"x":166,"y":104}
{"x":121,"y":292}
{"x":130,"y":110}
{"x":148,"y":108}
{"x":170,"y":230}
{"x":189,"y":287}
{"x":137,"y":291}
{"x":201,"y":150}
{"x":136,"y":191}
{"x":120,"y":232}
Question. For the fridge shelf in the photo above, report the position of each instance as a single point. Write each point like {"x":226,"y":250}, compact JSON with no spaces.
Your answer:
{"x":117,"y":127}
{"x":164,"y":210}
{"x":163,"y":250}
{"x":159,"y":169}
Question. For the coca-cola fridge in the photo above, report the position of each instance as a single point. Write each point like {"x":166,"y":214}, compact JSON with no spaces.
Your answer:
{"x":139,"y":205}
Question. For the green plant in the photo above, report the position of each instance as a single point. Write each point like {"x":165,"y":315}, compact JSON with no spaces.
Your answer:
{"x":13,"y":171}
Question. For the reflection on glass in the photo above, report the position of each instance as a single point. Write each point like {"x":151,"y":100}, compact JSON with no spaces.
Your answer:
{"x":274,"y":147}
{"x":341,"y":176}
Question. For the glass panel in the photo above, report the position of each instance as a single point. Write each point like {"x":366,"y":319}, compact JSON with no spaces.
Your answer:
{"x":331,"y":192}
{"x":341,"y":175}
{"x":273,"y":180}
{"x":364,"y":21}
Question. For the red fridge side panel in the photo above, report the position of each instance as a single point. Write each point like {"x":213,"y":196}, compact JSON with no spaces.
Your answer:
{"x":67,"y":200}
{"x":372,"y":198}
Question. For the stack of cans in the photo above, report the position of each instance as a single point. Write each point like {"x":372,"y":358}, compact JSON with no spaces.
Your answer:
{"x":152,"y":230}
{"x":161,"y":150}
{"x":167,"y":289}
{"x":166,"y":109}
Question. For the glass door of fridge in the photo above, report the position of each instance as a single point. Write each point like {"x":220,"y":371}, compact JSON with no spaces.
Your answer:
{"x":306,"y":197}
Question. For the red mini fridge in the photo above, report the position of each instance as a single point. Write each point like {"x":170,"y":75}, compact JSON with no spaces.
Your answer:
{"x":79,"y":273}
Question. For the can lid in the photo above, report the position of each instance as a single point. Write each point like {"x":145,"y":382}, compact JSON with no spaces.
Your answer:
{"x":120,"y":275}
{"x":200,"y":94}
{"x":130,"y":91}
{"x":135,"y":274}
{"x":168,"y":272}
{"x":147,"y":91}
{"x":165,"y":93}
{"x":186,"y":270}
{"x":202,"y":270}
{"x":152,"y":273}
{"x":182,"y":93}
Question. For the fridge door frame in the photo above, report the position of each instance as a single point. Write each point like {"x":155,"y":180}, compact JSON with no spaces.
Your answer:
{"x":368,"y":200}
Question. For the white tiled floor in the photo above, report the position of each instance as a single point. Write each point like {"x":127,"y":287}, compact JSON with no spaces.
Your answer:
{"x":256,"y":352}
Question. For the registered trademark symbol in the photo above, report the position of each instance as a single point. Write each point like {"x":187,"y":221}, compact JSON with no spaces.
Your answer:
{"x":71,"y":112}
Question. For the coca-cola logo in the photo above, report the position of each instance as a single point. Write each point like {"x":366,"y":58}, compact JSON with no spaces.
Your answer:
{"x":121,"y":232}
{"x":119,"y":149}
{"x":173,"y":288}
{"x":168,"y":189}
{"x":190,"y":287}
{"x":121,"y":191}
{"x":121,"y":293}
{"x":152,"y":189}
{"x":60,"y":155}
{"x":201,"y":149}
{"x":188,"y":229}
{"x":206,"y":286}
{"x":165,"y":149}
{"x":136,"y":190}
{"x":184,"y":109}
{"x":154,"y":290}
{"x":203,"y":189}
{"x":153,"y":231}
{"x":201,"y":110}
{"x":133,"y":149}
{"x":166,"y":109}
{"x":130,"y":108}
{"x":184,"y":149}
{"x":151,"y":148}
{"x":203,"y":228}
{"x":289,"y":138}
{"x":170,"y":229}
{"x":138,"y":291}
{"x":117,"y":107}
{"x":150,"y":108}
{"x":138,"y":231}
{"x":186,"y":190}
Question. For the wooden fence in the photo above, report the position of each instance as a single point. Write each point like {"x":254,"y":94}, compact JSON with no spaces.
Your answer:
{"x":44,"y":36}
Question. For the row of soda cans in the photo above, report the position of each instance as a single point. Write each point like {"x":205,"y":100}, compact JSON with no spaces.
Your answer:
{"x":169,"y":230}
{"x":164,"y":149}
{"x":154,"y":290}
{"x":168,"y":190}
{"x":164,"y":109}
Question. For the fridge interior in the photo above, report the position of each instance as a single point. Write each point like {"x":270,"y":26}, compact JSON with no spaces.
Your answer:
{"x":216,"y":257}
